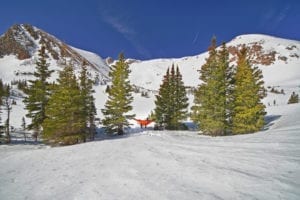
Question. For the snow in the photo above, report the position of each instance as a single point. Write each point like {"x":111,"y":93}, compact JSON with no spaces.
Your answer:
{"x":94,"y":59}
{"x":281,"y":74}
{"x":162,"y":165}
{"x":147,"y":164}
{"x":149,"y":74}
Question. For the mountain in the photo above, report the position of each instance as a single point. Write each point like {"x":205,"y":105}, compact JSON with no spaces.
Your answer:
{"x":278,"y":58}
{"x":20,"y":44}
{"x":147,"y":164}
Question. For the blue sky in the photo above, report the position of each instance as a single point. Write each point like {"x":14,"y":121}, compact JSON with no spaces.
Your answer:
{"x":145,"y":29}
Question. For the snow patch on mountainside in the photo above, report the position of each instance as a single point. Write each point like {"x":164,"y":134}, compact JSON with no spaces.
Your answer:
{"x":94,"y":59}
{"x":149,"y":74}
{"x":13,"y":69}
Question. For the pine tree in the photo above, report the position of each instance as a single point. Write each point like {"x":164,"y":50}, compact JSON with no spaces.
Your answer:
{"x":248,"y":112}
{"x":181,"y":101}
{"x":91,"y":117}
{"x":170,"y":114}
{"x":211,"y":103}
{"x":38,"y":93}
{"x":7,"y":103}
{"x":65,"y":123}
{"x":171,"y":101}
{"x":117,"y":107}
{"x":227,"y":84}
{"x":294,"y":98}
{"x":89,"y":110}
{"x":200,"y":109}
{"x":162,"y":101}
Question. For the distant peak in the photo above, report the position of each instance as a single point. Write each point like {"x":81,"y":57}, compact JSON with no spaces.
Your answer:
{"x":256,"y":37}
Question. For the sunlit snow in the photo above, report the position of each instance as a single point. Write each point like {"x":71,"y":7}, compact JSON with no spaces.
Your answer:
{"x":147,"y":164}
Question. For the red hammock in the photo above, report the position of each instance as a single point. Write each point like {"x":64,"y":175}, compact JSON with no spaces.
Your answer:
{"x":143,"y":122}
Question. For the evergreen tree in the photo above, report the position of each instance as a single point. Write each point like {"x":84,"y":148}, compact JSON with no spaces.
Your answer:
{"x":89,"y":110}
{"x":66,"y":121}
{"x":7,"y":103}
{"x":227,"y":76}
{"x":8,"y":107}
{"x":211,"y":109}
{"x":171,"y":101}
{"x":294,"y":98}
{"x":91,"y":117}
{"x":119,"y":98}
{"x":162,"y":103}
{"x":170,"y":115}
{"x":181,"y":101}
{"x":248,"y":112}
{"x":38,"y":93}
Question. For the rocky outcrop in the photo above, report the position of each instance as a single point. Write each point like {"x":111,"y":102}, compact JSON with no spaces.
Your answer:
{"x":256,"y":52}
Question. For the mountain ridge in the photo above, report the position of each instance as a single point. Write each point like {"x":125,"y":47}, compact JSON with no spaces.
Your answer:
{"x":280,"y":67}
{"x":24,"y":41}
{"x":266,"y":52}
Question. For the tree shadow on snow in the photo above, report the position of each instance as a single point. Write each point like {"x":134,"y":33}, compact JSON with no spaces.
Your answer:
{"x":130,"y":132}
{"x":17,"y":138}
{"x":270,"y":121}
{"x":22,"y":142}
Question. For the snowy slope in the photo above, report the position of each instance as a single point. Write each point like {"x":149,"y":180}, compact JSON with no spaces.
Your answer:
{"x":29,"y":39}
{"x":149,"y":74}
{"x":95,"y":59}
{"x":162,"y":165}
{"x":282,"y":74}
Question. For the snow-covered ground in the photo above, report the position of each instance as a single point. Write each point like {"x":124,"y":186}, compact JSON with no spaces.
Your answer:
{"x":162,"y":165}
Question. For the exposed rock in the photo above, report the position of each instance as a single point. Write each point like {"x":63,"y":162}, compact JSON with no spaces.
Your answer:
{"x":291,"y":47}
{"x":256,"y":53}
{"x":16,"y":42}
{"x":283,"y":58}
{"x":294,"y":55}
{"x":109,"y":60}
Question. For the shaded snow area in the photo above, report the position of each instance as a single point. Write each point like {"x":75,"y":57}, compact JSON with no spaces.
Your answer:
{"x":162,"y":165}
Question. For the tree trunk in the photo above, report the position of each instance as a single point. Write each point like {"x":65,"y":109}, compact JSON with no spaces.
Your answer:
{"x":120,"y":130}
